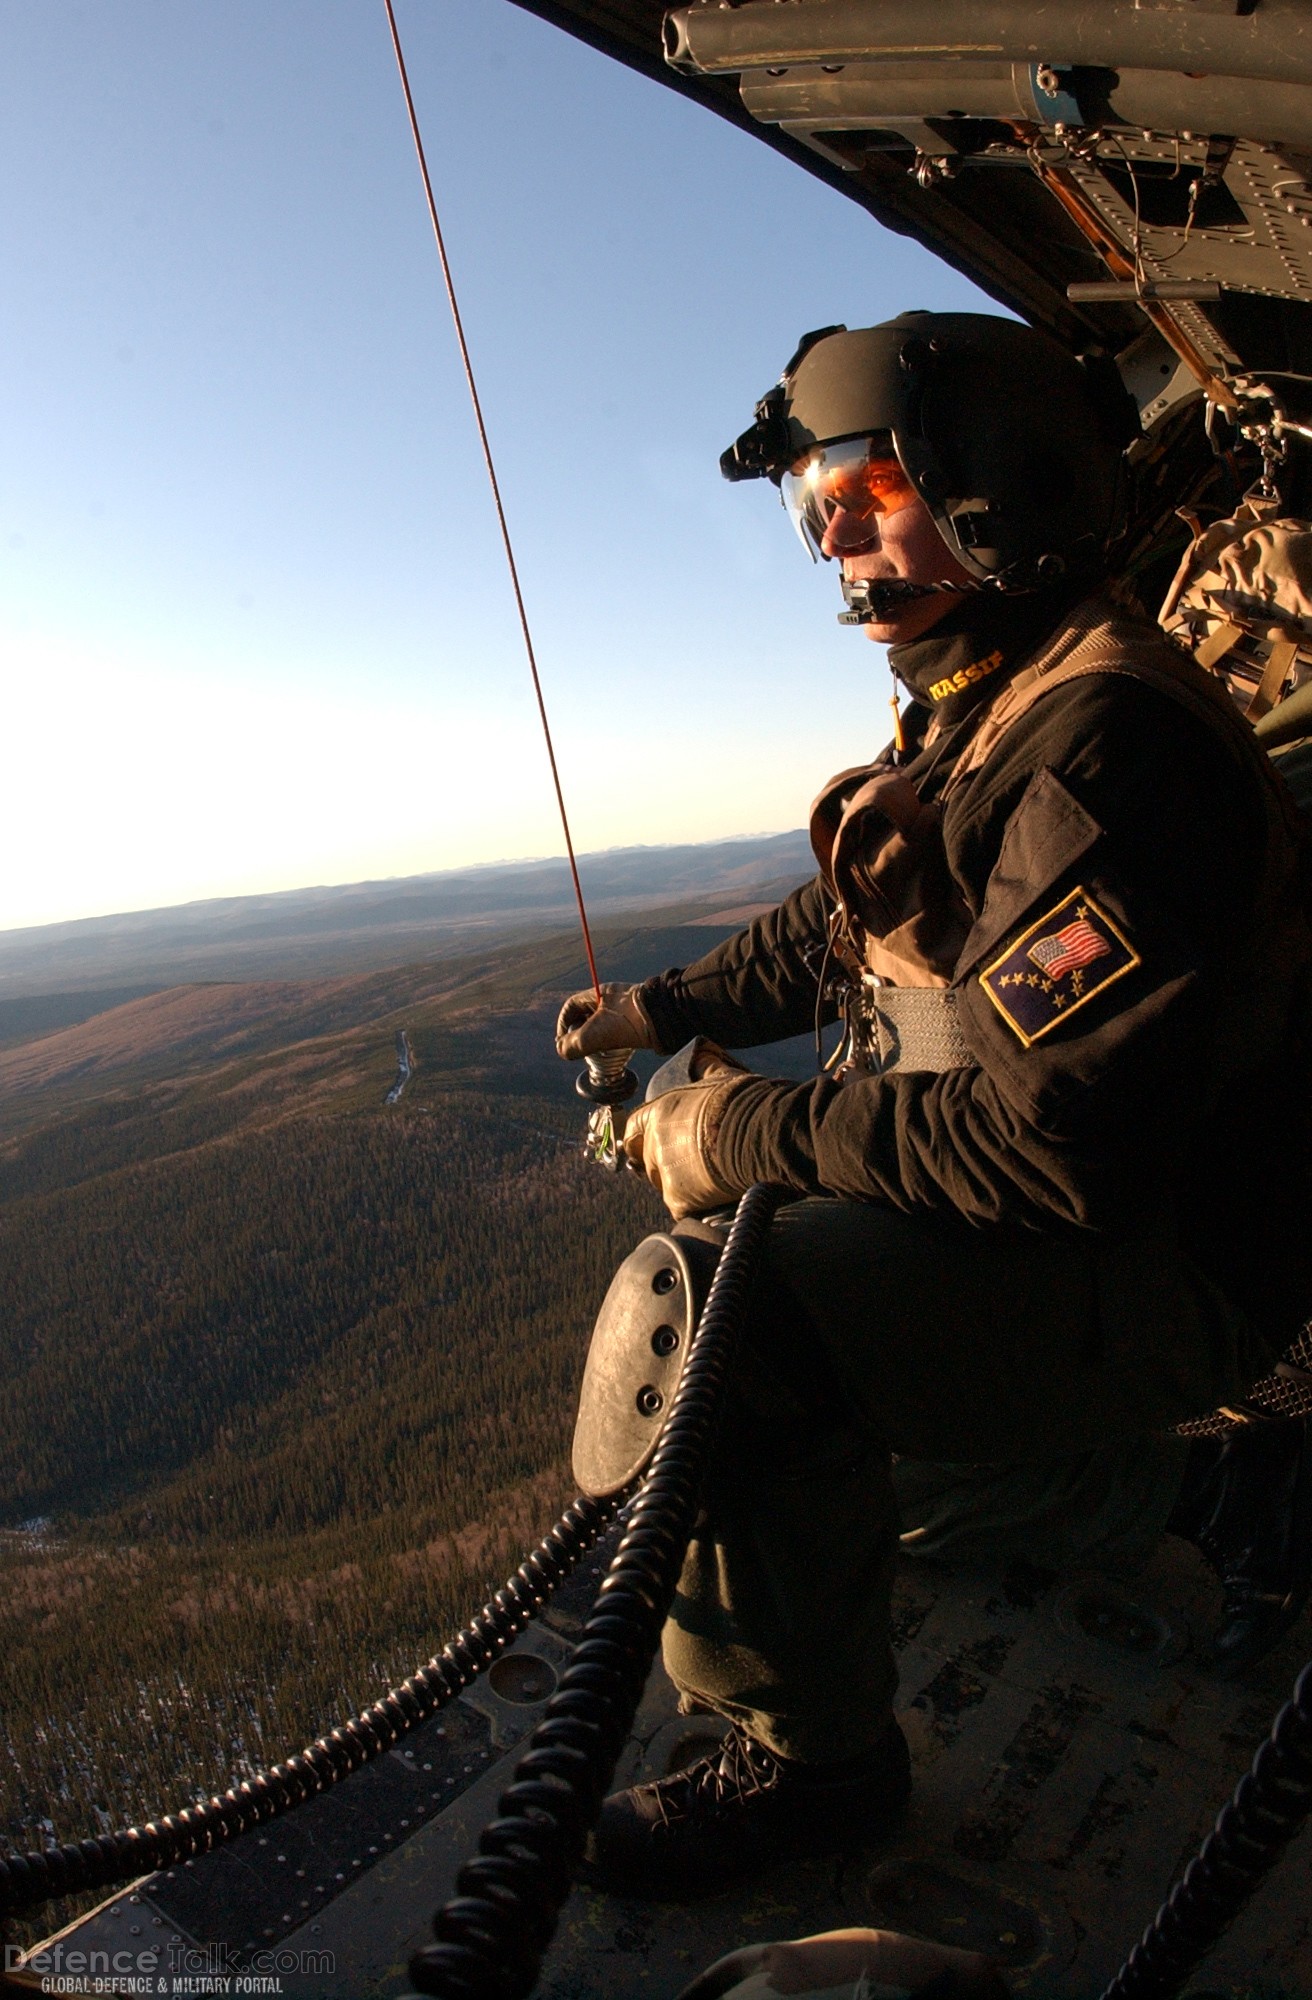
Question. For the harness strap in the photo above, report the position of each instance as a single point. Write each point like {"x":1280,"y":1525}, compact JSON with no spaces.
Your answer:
{"x":1095,"y":640}
{"x":915,"y":1028}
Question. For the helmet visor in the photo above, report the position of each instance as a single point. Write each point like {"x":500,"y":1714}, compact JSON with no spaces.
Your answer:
{"x":838,"y":494}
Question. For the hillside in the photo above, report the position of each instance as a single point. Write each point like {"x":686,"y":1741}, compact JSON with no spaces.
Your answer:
{"x":286,"y":1374}
{"x":323,"y":932}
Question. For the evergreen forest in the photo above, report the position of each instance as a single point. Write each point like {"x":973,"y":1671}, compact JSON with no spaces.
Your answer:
{"x":287,"y":1373}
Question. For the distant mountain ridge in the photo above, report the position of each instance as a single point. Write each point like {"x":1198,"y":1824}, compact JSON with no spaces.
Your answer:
{"x":355,"y":926}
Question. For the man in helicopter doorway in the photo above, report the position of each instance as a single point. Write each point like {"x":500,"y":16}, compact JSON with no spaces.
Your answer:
{"x":1053,"y":1202}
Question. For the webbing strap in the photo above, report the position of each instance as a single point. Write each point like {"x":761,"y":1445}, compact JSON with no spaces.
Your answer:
{"x":1281,"y":659}
{"x":1278,"y":1397}
{"x":1093,"y":641}
{"x":1214,"y":648}
{"x":916,"y":1028}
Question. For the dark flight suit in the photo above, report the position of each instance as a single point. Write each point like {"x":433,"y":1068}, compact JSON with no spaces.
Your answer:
{"x":1103,"y":1510}
{"x":1091,"y":1230}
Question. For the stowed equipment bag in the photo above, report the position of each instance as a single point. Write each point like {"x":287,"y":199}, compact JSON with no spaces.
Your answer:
{"x":1241,"y":602}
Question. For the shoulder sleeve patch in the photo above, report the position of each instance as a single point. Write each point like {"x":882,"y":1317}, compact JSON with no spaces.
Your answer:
{"x":1058,"y":964}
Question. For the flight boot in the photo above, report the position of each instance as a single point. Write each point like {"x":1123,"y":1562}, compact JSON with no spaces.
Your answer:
{"x":1246,"y":1504}
{"x":741,"y":1810}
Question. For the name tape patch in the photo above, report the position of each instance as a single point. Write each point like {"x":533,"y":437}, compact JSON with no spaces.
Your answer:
{"x":1056,"y":966}
{"x":978,"y":670}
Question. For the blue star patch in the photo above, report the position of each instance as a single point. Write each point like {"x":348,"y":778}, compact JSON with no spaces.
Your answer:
{"x":1056,"y":966}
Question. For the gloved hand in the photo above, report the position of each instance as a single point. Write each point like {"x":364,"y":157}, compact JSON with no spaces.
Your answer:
{"x":619,"y":1021}
{"x":672,"y":1141}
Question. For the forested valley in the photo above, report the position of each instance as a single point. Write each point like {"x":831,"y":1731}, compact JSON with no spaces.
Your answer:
{"x":286,"y":1373}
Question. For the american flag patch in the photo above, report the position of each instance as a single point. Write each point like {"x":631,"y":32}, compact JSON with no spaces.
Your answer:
{"x":1057,"y":966}
{"x":1078,"y":944}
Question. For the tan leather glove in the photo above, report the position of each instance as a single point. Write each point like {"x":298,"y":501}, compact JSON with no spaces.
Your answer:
{"x":672,"y":1141}
{"x":619,"y":1021}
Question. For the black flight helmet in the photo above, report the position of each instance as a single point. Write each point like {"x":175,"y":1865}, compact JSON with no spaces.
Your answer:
{"x":1015,"y":446}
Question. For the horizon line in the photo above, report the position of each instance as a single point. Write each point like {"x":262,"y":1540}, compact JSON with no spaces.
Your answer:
{"x":423,"y":875}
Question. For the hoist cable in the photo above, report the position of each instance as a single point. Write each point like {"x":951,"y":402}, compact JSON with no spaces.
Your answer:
{"x":489,"y":462}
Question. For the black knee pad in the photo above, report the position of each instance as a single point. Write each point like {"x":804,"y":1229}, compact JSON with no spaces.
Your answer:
{"x":639,"y":1347}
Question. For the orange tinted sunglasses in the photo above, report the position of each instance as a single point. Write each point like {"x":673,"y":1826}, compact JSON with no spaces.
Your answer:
{"x":860,"y":479}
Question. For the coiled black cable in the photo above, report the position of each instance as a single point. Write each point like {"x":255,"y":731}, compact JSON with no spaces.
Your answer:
{"x":31,"y":1879}
{"x":493,"y":1933}
{"x":1270,"y":1804}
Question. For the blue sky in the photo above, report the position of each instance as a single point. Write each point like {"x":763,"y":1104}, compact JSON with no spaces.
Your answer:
{"x":253,"y":611}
